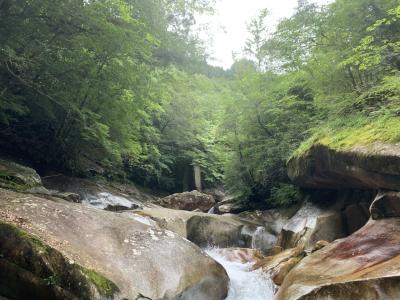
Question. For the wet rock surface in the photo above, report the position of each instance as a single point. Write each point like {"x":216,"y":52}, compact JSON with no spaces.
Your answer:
{"x":100,"y":194}
{"x":139,"y":257}
{"x":365,"y":265}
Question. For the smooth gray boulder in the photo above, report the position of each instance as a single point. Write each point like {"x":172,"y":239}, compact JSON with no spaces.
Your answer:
{"x":136,"y":255}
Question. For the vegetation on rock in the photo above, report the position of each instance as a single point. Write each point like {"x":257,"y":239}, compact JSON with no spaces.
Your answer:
{"x":43,"y":271}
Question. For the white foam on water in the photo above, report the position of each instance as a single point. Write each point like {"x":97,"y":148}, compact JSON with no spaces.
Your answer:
{"x":102,"y":200}
{"x":245,"y":284}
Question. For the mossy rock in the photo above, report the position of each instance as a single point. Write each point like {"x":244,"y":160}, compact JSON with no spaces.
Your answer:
{"x":373,"y":166}
{"x":29,"y":269}
{"x":18,"y":177}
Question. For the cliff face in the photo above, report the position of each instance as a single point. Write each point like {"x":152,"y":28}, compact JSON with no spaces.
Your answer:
{"x":375,"y":166}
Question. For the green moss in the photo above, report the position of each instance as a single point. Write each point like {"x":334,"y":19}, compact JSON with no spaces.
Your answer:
{"x":103,"y":285}
{"x":37,"y":244}
{"x":364,"y":132}
{"x":50,"y":265}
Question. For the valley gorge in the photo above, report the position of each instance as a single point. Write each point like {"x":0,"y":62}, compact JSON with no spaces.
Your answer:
{"x":199,"y":150}
{"x":341,"y":242}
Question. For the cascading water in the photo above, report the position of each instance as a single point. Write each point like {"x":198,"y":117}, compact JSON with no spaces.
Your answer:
{"x":101,"y":200}
{"x":245,"y":283}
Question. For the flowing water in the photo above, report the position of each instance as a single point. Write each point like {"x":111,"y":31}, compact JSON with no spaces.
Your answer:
{"x":245,"y":284}
{"x":102,"y":200}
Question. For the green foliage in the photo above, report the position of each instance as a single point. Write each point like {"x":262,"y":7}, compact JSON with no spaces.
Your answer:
{"x":51,"y":280}
{"x":381,"y":47}
{"x":103,"y":285}
{"x":285,"y":195}
{"x":123,"y":86}
{"x":83,"y":84}
{"x":332,"y":79}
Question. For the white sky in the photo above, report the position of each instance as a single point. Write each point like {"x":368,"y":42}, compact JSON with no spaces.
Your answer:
{"x":227,"y":32}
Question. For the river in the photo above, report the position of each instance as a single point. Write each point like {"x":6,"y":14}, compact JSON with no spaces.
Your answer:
{"x":245,"y":283}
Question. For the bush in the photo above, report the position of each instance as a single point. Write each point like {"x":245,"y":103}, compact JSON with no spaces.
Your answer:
{"x":284,"y":195}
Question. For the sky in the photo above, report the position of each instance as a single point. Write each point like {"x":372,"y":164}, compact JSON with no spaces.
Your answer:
{"x":226,"y":31}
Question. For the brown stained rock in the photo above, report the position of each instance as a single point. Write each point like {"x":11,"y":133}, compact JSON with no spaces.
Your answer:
{"x":371,"y":289}
{"x":270,"y":262}
{"x":276,"y":250}
{"x":279,"y":265}
{"x":189,"y":201}
{"x":241,"y":255}
{"x":140,"y":258}
{"x":365,"y":265}
{"x":319,"y":245}
{"x":375,"y":166}
{"x":280,"y":272}
{"x":386,"y":205}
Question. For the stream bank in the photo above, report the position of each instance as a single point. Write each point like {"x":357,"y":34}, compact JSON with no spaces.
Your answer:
{"x":122,"y":244}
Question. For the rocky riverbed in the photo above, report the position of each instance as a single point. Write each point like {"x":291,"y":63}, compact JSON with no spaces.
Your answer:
{"x":70,"y":238}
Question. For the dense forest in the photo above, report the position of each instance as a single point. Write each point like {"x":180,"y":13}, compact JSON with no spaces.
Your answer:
{"x":122,"y":89}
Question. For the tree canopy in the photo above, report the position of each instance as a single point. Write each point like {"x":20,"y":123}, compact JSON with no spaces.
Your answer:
{"x":123,"y":86}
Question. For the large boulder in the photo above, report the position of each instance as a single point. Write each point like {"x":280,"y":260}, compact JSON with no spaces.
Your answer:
{"x":19,"y":177}
{"x":189,"y":201}
{"x":365,"y":265}
{"x":230,"y":206}
{"x":135,"y":255}
{"x":310,"y":224}
{"x":374,"y":166}
{"x":218,"y":193}
{"x":215,"y":231}
{"x":207,"y":229}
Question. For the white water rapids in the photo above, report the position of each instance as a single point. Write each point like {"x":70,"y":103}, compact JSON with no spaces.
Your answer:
{"x":245,"y":284}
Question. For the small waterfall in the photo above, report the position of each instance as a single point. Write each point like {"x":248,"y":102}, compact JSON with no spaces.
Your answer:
{"x":259,"y":232}
{"x":245,"y":283}
{"x":103,"y":199}
{"x":211,"y":210}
